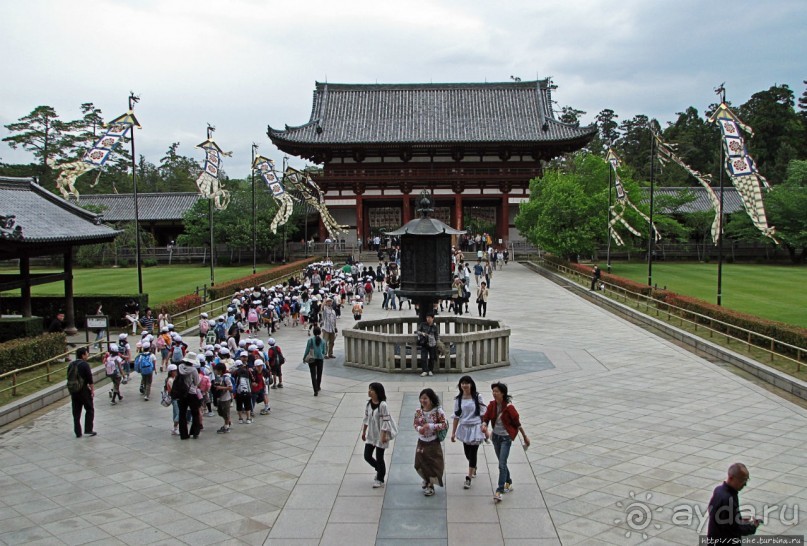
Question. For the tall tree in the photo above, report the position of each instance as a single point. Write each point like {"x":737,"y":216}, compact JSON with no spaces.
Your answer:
{"x":41,"y":133}
{"x":785,"y":205}
{"x":607,"y":132}
{"x":566,"y":212}
{"x":178,"y":172}
{"x":779,"y":132}
{"x":571,"y":115}
{"x":634,"y":144}
{"x":697,"y":142}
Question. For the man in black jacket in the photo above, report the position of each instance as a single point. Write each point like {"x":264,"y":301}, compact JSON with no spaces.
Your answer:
{"x":83,"y":398}
{"x":726,"y":524}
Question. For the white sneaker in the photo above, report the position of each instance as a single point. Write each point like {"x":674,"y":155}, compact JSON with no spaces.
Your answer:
{"x":431,"y":373}
{"x":424,"y":374}
{"x":249,"y":421}
{"x":377,"y":484}
{"x":429,"y":491}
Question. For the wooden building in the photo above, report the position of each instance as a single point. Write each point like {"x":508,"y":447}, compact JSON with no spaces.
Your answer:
{"x":36,"y":222}
{"x":475,"y":146}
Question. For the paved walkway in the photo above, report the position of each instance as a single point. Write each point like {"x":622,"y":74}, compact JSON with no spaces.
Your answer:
{"x":624,"y":425}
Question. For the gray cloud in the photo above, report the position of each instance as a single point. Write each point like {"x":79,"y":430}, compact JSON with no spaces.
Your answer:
{"x":243,"y":64}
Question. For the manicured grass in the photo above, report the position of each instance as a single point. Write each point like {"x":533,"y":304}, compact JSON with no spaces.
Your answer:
{"x":161,"y":283}
{"x":770,"y":291}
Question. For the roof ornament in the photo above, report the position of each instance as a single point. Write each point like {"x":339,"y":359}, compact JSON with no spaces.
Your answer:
{"x":7,"y":228}
{"x":425,"y":204}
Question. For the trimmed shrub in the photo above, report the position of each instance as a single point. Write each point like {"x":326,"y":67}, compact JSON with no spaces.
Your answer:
{"x":228,"y":288}
{"x":19,"y":353}
{"x":181,"y":304}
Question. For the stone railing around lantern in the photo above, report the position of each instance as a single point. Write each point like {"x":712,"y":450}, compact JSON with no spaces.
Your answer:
{"x":389,"y":345}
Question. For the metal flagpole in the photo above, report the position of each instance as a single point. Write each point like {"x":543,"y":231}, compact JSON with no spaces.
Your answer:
{"x":608,"y":217}
{"x":721,"y":91}
{"x":132,"y":100}
{"x":212,"y":251}
{"x":652,"y":237}
{"x":254,"y":234}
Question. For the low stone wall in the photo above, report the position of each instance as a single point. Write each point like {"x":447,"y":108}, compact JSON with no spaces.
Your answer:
{"x":389,"y":345}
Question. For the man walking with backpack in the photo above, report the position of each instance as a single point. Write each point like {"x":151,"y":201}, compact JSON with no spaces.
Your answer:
{"x":144,"y":365}
{"x":82,"y":390}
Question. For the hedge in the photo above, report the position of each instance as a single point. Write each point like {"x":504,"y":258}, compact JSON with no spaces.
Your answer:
{"x":229,"y":288}
{"x":780,"y":331}
{"x":182,"y":303}
{"x":19,"y":353}
{"x":17,"y":327}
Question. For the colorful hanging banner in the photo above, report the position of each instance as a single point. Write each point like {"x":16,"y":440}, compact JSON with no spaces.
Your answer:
{"x":312,"y":195}
{"x":208,"y":182}
{"x":665,"y":153}
{"x":622,"y":202}
{"x":118,"y":130}
{"x":741,"y":169}
{"x":265,"y":167}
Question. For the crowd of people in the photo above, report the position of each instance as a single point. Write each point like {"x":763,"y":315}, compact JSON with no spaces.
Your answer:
{"x":233,"y":365}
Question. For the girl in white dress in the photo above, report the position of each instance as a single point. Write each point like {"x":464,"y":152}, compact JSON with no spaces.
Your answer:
{"x":468,"y":409}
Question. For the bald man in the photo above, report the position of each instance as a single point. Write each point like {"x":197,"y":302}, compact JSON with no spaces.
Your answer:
{"x":726,"y":524}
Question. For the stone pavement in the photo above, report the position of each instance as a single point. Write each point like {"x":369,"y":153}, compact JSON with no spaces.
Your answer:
{"x":627,"y":431}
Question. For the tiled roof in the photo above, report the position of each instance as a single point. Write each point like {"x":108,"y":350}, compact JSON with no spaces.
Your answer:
{"x":701,"y":202}
{"x":508,"y":112}
{"x":47,"y":218}
{"x":150,"y":206}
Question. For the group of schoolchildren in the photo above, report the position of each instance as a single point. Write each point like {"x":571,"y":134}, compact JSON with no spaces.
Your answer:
{"x":243,"y":375}
{"x":229,"y":367}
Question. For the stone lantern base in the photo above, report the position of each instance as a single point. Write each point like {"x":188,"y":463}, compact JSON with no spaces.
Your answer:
{"x":389,"y":345}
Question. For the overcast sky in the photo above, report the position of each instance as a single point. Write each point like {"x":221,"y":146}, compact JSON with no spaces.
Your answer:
{"x":244,"y":64}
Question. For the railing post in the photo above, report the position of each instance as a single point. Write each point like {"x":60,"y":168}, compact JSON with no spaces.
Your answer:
{"x":14,"y":384}
{"x":47,"y":371}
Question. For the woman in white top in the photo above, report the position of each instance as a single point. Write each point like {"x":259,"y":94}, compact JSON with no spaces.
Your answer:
{"x":375,"y":431}
{"x":468,"y":408}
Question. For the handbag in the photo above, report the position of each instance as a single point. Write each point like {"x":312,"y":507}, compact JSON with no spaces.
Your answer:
{"x":441,"y":434}
{"x":165,"y":398}
{"x":309,"y":356}
{"x":393,"y":429}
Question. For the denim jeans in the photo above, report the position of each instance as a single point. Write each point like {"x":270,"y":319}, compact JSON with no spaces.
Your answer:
{"x":501,"y":445}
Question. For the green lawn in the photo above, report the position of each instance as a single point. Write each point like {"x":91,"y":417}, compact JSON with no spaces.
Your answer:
{"x":161,"y":283}
{"x":770,"y":291}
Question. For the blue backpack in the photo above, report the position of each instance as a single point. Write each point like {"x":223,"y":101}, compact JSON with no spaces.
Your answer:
{"x":143,"y":364}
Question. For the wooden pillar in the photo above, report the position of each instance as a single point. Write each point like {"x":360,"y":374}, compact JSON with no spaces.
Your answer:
{"x":360,"y":232}
{"x":504,"y":219}
{"x":69,"y":309}
{"x":323,"y":233}
{"x":25,"y":292}
{"x":407,"y":207}
{"x":457,"y":211}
